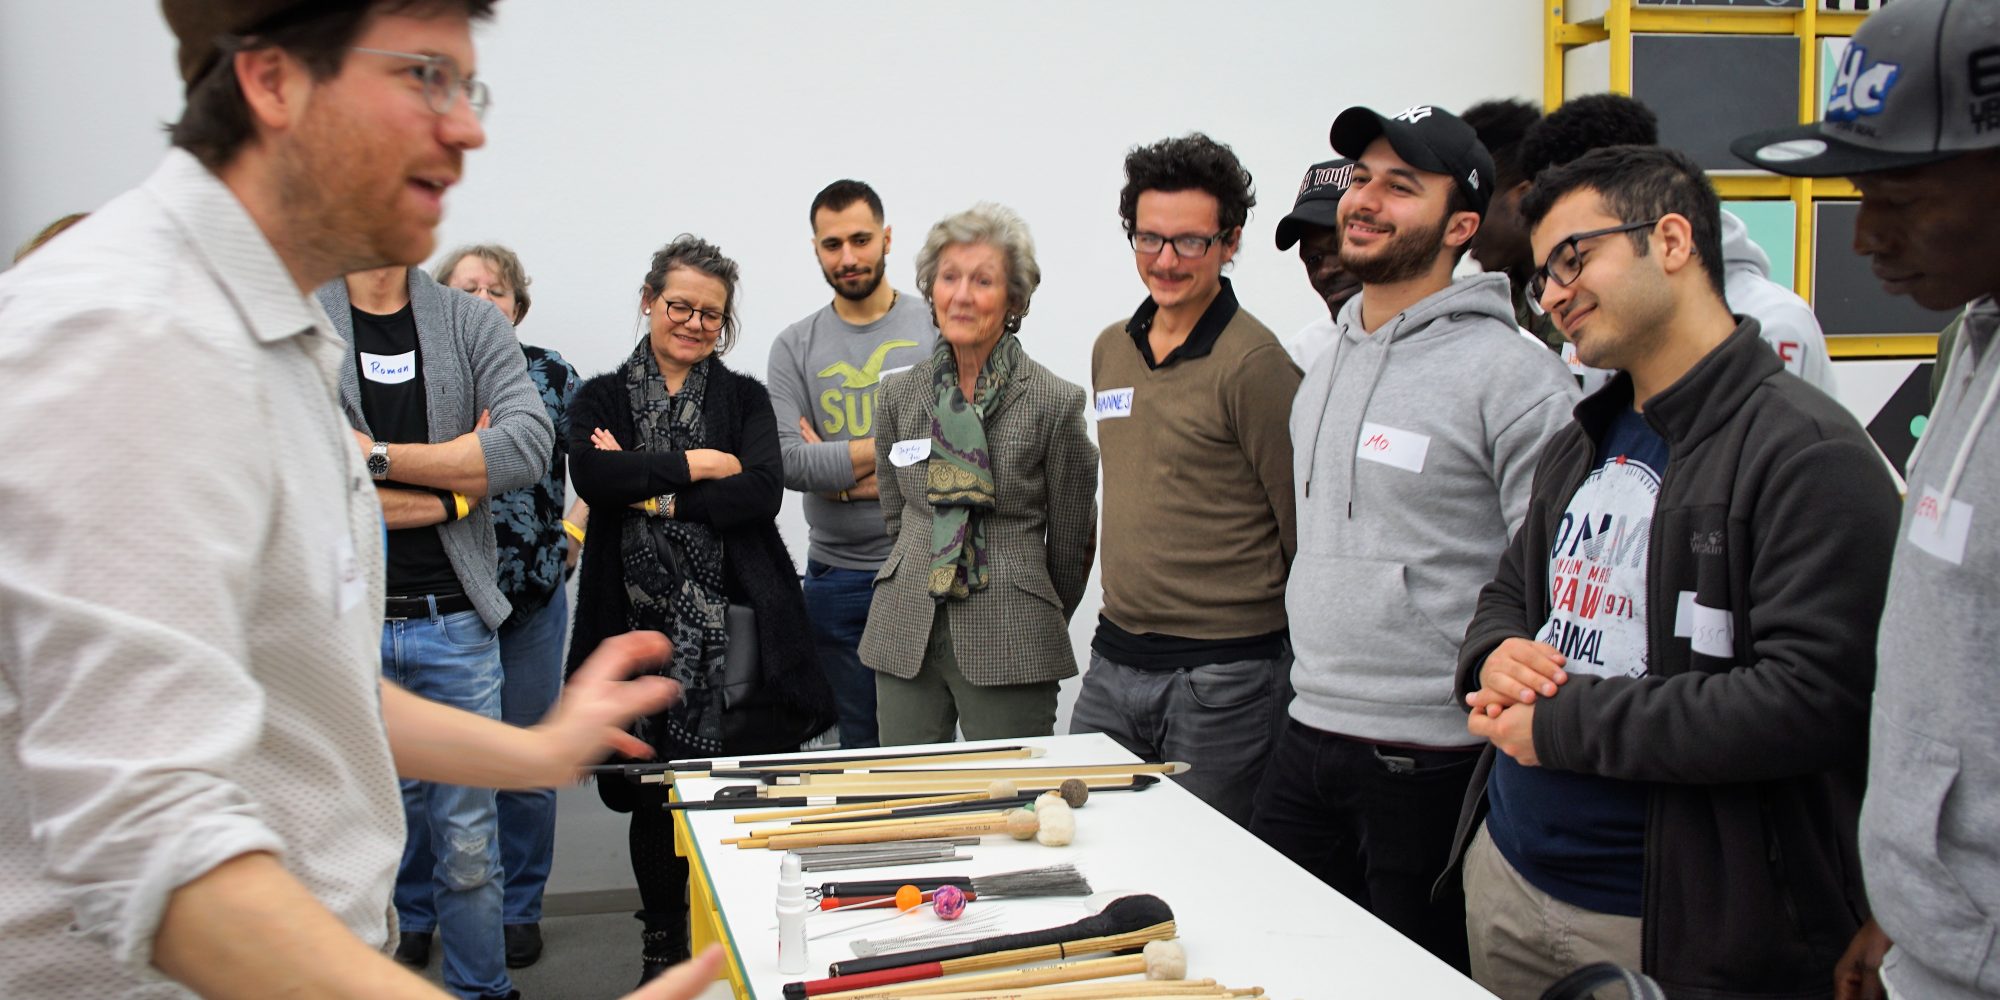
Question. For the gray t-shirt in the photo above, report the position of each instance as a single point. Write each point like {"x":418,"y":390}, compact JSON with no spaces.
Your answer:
{"x":828,"y":370}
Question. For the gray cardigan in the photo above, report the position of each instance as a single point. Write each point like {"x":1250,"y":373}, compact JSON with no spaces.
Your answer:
{"x":472,"y":363}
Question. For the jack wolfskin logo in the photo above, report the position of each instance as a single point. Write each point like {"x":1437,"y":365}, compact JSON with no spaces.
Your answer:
{"x":1705,"y":543}
{"x":1414,"y":114}
{"x":1860,"y":89}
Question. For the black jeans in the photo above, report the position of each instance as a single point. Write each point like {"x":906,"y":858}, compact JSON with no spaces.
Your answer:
{"x":1375,"y":823}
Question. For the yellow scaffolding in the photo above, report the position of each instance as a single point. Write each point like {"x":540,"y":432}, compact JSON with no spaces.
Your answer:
{"x":1810,"y":25}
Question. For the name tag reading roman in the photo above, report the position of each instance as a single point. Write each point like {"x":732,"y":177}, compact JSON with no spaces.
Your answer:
{"x":1114,"y":403}
{"x":1711,"y":631}
{"x":904,"y":454}
{"x":1938,"y":531}
{"x":389,"y":369}
{"x":1403,"y":449}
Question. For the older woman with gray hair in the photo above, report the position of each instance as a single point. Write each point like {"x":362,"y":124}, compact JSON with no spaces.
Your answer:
{"x":989,"y":485}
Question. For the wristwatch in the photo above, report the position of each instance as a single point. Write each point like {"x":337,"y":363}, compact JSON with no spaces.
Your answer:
{"x":378,"y":461}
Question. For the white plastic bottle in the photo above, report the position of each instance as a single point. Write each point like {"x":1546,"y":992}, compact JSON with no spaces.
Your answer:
{"x":792,"y":909}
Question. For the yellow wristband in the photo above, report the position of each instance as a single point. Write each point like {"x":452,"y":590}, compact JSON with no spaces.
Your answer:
{"x":464,"y":506}
{"x":653,"y":506}
{"x":573,"y":530}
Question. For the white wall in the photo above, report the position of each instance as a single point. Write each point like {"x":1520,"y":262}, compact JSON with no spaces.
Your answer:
{"x":619,"y":123}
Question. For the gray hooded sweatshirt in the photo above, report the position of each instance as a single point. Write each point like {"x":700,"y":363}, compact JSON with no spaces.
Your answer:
{"x":1413,"y":451}
{"x":1788,"y":323}
{"x":1930,"y":826}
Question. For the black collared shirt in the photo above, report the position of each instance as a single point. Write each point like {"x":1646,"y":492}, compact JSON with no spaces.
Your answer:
{"x":1199,"y":342}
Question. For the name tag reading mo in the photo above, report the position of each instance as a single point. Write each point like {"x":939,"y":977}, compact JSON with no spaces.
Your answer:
{"x":389,"y":369}
{"x":903,"y":454}
{"x":1114,"y":403}
{"x":1939,"y":531}
{"x":1391,"y":446}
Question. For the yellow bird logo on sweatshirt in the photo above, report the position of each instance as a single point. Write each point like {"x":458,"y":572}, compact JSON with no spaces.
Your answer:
{"x":847,"y":407}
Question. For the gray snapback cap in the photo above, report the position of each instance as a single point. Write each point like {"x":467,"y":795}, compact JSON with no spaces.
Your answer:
{"x":1920,"y":83}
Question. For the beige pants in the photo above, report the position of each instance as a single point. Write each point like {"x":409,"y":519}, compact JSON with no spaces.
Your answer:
{"x":1523,"y":939}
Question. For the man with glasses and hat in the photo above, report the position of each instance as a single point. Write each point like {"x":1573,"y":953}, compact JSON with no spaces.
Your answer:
{"x":1191,"y":394}
{"x":1672,"y":662}
{"x":1914,"y":121}
{"x":1315,"y":226}
{"x":199,"y":742}
{"x":1414,"y":440}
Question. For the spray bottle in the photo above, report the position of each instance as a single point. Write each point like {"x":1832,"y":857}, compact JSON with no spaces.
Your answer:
{"x":792,"y":910}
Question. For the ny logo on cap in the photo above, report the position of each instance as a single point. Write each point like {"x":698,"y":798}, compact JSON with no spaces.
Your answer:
{"x":1860,"y":89}
{"x":1473,"y":178}
{"x":1413,"y":115}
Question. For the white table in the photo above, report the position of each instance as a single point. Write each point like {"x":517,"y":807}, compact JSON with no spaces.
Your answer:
{"x":1247,"y":916}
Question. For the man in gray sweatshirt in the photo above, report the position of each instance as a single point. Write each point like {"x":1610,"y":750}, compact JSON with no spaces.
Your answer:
{"x":1413,"y":443}
{"x":1914,"y":120}
{"x":824,"y":373}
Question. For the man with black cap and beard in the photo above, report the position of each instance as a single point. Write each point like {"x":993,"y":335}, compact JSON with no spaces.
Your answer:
{"x":1414,"y":441}
{"x":194,"y":730}
{"x":1315,"y":226}
{"x":824,"y":372}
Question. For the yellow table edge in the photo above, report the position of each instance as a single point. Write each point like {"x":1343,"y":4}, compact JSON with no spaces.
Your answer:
{"x":706,"y":924}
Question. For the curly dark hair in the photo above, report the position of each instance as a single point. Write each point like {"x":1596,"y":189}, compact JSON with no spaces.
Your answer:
{"x":1593,"y":121}
{"x":1639,"y":183}
{"x":215,"y":123}
{"x":1501,"y":125}
{"x":1191,"y":162}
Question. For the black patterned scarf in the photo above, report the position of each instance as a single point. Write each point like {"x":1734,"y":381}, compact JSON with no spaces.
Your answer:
{"x":673,"y":569}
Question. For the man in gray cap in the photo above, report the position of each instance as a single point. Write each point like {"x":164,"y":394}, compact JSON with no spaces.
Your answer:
{"x":193,"y":726}
{"x":1315,"y":226}
{"x":1914,"y":120}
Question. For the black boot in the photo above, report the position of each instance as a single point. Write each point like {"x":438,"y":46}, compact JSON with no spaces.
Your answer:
{"x":664,"y":944}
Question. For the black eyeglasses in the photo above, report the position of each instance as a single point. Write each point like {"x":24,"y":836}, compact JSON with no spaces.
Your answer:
{"x":1185,"y":247}
{"x":678,"y":313}
{"x":443,"y":83}
{"x":1566,"y":262}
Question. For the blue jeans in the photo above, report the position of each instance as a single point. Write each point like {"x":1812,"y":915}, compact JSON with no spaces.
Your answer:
{"x":453,"y":660}
{"x":837,"y":602}
{"x":531,"y":660}
{"x":1221,"y":718}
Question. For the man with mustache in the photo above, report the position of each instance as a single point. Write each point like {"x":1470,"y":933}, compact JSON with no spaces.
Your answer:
{"x":824,"y":372}
{"x":1189,"y":657}
{"x":1672,"y":661}
{"x":1315,"y":226}
{"x":199,"y":746}
{"x":1914,"y":121}
{"x":1414,"y":442}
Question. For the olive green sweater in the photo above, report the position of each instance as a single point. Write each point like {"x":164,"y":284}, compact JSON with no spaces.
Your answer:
{"x":1198,"y":530}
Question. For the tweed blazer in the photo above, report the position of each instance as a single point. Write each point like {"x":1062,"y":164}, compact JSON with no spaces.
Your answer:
{"x":1040,"y":538}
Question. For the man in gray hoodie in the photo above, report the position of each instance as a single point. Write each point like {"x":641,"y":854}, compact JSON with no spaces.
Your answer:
{"x":1414,"y":442}
{"x":1912,"y":121}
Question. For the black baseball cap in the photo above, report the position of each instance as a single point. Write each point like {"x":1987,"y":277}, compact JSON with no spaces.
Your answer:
{"x":1318,"y":203}
{"x":1430,"y":139}
{"x":1920,"y":83}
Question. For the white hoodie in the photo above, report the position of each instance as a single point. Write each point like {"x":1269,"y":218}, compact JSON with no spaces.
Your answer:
{"x":1788,"y":322}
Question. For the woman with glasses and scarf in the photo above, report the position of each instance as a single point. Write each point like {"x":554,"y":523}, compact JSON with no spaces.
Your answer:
{"x":989,"y":485}
{"x":678,"y":458}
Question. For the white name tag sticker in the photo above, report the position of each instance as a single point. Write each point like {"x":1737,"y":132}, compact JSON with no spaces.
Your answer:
{"x":1939,"y":531}
{"x":1403,"y":449}
{"x":388,"y":369}
{"x":1711,"y":631}
{"x":904,"y":454}
{"x":348,"y":586}
{"x":1114,"y":403}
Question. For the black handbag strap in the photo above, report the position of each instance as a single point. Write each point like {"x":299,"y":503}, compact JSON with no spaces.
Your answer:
{"x":1584,"y":982}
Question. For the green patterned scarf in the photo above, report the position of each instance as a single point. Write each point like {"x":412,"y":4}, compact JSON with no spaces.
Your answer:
{"x":959,"y":476}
